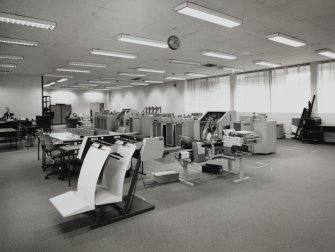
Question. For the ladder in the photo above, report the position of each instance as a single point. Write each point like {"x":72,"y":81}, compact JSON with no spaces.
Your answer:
{"x":306,"y":115}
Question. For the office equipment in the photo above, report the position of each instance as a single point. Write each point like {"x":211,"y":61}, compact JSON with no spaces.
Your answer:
{"x":280,"y":134}
{"x":44,"y":123}
{"x":164,"y":177}
{"x":311,"y":132}
{"x":9,"y":134}
{"x":60,"y":111}
{"x":214,"y":122}
{"x":129,"y":205}
{"x":327,"y":132}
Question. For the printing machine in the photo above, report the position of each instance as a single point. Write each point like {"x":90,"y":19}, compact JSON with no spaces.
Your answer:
{"x":215,"y":122}
{"x":123,"y":122}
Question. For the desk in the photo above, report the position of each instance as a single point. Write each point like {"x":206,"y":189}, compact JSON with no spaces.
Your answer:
{"x":9,"y":133}
{"x":328,"y":132}
{"x":66,"y":137}
{"x":69,"y":150}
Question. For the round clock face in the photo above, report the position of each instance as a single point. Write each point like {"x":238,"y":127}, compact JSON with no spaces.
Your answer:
{"x":173,"y":42}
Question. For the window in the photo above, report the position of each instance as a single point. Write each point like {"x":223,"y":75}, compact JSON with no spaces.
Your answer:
{"x":252,"y":92}
{"x":208,"y":94}
{"x":290,"y":89}
{"x":326,"y":88}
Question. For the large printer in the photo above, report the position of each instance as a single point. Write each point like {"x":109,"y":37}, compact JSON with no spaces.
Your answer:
{"x":127,"y":121}
{"x":214,"y":122}
{"x":104,"y":121}
{"x":265,"y":129}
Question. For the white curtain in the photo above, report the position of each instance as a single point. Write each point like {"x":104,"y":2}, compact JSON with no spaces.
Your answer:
{"x":252,"y":92}
{"x":326,"y":88}
{"x":290,"y":89}
{"x":208,"y":94}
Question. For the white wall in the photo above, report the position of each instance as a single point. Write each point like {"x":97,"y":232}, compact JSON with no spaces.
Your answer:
{"x":169,"y":97}
{"x":22,"y":94}
{"x":80,"y":100}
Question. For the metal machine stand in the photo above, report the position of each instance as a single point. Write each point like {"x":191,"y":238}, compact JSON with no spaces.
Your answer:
{"x":130,"y":206}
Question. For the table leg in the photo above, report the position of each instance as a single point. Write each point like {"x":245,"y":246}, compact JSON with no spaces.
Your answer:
{"x":242,"y":176}
{"x":184,"y":179}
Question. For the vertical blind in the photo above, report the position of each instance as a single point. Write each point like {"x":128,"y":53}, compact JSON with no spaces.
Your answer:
{"x":290,"y":89}
{"x":326,"y":87}
{"x":252,"y":93}
{"x":208,"y":94}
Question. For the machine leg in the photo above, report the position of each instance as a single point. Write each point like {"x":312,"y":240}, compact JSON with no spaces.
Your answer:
{"x":242,"y":174}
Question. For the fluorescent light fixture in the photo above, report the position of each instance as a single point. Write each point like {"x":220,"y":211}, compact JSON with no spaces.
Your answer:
{"x":141,"y":41}
{"x":124,"y":86}
{"x":7,"y":65}
{"x":108,"y":78}
{"x":112,"y":54}
{"x":11,"y":57}
{"x":233,"y":69}
{"x":4,"y":72}
{"x":99,"y":82}
{"x":73,"y":70}
{"x":62,"y":80}
{"x":138,"y":84}
{"x":266,"y":63}
{"x":208,"y":15}
{"x":20,"y":42}
{"x":286,"y":40}
{"x":326,"y":52}
{"x":196,"y":75}
{"x":58,"y":76}
{"x":219,"y":55}
{"x":73,"y":86}
{"x":112,"y":88}
{"x":49,"y":84}
{"x":150,"y":70}
{"x":27,"y":21}
{"x":184,"y":62}
{"x":174,"y":78}
{"x":102,"y":89}
{"x":153,"y":82}
{"x":131,"y":74}
{"x":87,"y":84}
{"x":87,"y":64}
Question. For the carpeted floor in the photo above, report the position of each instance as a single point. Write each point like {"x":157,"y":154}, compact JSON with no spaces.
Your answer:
{"x":288,"y":204}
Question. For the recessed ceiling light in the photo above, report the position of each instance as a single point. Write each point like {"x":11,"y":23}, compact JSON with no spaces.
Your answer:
{"x":11,"y":57}
{"x":138,"y":84}
{"x":219,"y":55}
{"x":326,"y":52}
{"x":184,"y":62}
{"x":87,"y":84}
{"x":153,"y":81}
{"x":112,"y":54}
{"x":8,"y":65}
{"x":233,"y":69}
{"x":99,"y":82}
{"x":197,"y":75}
{"x":266,"y":63}
{"x":141,"y":41}
{"x":150,"y":70}
{"x":286,"y":40}
{"x":208,"y":15}
{"x":19,"y":42}
{"x":73,"y":70}
{"x":87,"y":64}
{"x":27,"y":21}
{"x":174,"y":78}
{"x":58,"y":76}
{"x":112,"y":88}
{"x":62,"y":80}
{"x":131,"y":74}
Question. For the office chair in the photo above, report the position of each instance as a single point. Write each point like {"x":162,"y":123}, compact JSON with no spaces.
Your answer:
{"x":51,"y":150}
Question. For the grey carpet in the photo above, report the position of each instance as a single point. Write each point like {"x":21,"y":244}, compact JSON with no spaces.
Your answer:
{"x":288,"y":204}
